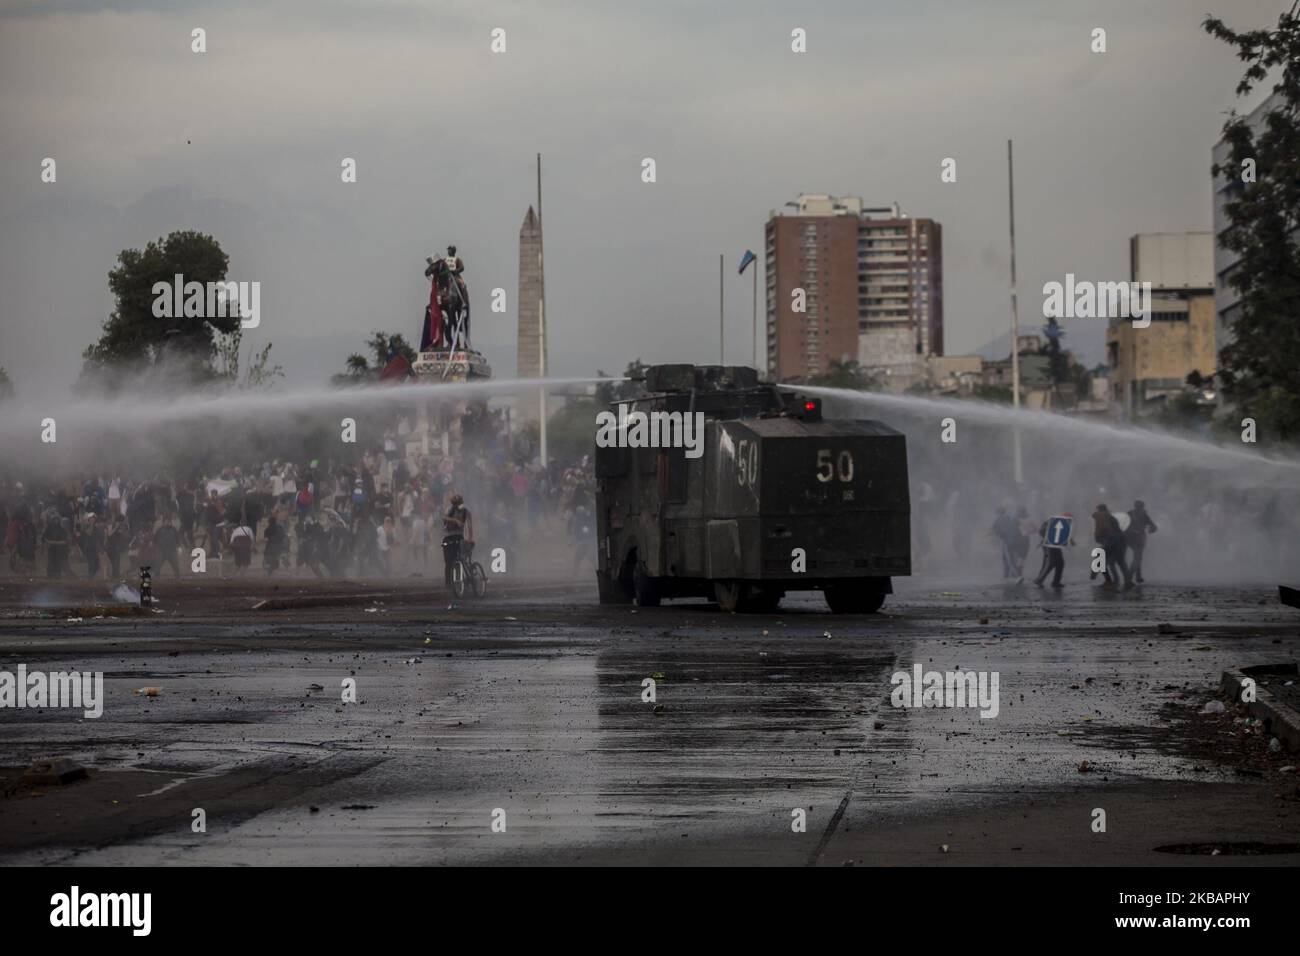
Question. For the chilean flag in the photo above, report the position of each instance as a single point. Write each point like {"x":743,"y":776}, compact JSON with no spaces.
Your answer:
{"x":398,"y":369}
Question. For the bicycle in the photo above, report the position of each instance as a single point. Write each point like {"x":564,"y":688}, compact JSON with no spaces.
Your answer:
{"x":465,"y":571}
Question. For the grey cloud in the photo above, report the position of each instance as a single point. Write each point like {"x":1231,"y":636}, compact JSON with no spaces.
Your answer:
{"x":444,"y":134}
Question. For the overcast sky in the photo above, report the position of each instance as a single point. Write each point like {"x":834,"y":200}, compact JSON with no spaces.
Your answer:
{"x":245,"y":142}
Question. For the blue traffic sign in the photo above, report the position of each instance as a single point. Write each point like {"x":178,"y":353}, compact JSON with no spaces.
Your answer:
{"x":1058,"y":531}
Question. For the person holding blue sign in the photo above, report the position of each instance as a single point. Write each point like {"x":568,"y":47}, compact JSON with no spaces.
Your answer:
{"x":1055,"y":534}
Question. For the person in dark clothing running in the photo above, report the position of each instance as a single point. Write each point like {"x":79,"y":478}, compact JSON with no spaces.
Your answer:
{"x":56,"y":546}
{"x":166,"y":540}
{"x":91,"y":541}
{"x":213,"y":515}
{"x":277,"y":542}
{"x":140,"y":512}
{"x":115,"y":546}
{"x":25,"y":540}
{"x":1139,"y":526}
{"x":1107,"y":533}
{"x":186,"y":506}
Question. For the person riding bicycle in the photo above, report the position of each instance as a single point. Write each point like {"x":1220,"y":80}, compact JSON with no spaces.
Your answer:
{"x":457,"y":529}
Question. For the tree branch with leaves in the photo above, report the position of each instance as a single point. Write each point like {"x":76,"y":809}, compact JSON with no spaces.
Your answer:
{"x":1259,"y":367}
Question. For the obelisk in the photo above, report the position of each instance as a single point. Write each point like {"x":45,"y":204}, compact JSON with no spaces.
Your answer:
{"x":531,"y":355}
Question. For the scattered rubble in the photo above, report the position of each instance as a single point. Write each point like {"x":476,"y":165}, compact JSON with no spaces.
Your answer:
{"x":53,"y":772}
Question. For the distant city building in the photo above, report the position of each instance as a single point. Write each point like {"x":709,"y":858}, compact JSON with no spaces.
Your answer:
{"x":1100,"y":382}
{"x":1038,"y":390}
{"x":959,"y":374}
{"x":1094,"y":401}
{"x":1035,"y":367}
{"x":531,"y":360}
{"x":872,"y":281}
{"x":1151,"y":364}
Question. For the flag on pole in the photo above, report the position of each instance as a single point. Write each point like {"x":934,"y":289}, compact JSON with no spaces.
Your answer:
{"x":746,"y":260}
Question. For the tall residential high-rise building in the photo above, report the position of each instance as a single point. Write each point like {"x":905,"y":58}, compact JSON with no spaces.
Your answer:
{"x":531,"y":360}
{"x":1227,"y":301}
{"x":870,"y":283}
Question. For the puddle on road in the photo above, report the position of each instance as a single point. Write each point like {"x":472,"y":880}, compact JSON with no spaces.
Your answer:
{"x":750,"y":726}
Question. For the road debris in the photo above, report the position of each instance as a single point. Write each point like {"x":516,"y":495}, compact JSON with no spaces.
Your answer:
{"x":53,"y":772}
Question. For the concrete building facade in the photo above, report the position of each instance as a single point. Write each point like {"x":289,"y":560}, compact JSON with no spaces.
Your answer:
{"x":872,"y":285}
{"x":1151,"y":364}
{"x":954,"y":374}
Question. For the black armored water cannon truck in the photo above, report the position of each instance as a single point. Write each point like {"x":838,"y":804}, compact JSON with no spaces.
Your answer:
{"x":720,"y":486}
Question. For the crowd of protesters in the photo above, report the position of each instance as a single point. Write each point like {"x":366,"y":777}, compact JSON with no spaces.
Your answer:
{"x":1121,"y":543}
{"x":383,"y":515}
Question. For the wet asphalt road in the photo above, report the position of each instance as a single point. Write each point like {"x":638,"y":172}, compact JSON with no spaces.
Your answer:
{"x":530,"y":704}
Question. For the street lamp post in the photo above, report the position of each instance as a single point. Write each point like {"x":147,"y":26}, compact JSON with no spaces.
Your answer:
{"x":1015,"y":325}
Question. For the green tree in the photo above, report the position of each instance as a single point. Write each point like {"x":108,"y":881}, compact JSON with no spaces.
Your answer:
{"x":1260,"y":368}
{"x":632,"y":386}
{"x":528,"y":440}
{"x":571,"y":428}
{"x":571,"y":431}
{"x":1185,"y":411}
{"x":133,"y":336}
{"x":259,"y":373}
{"x":1082,"y":379}
{"x":1000,"y":394}
{"x":1058,"y":360}
{"x":382,"y":345}
{"x":357,"y":368}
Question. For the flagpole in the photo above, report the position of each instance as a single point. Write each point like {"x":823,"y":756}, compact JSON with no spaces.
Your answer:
{"x":541,"y":315}
{"x":754,"y":308}
{"x":721,"y":360}
{"x":1015,"y":324}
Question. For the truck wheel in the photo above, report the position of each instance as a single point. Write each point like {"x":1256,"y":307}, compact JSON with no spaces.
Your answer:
{"x":645,"y":588}
{"x":854,"y":598}
{"x":731,"y":595}
{"x":766,"y":600}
